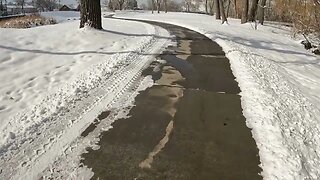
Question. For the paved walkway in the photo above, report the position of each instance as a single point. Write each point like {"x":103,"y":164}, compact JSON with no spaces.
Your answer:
{"x":188,"y":126}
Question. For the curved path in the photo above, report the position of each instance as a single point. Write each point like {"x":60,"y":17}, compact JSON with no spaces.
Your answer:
{"x":189,"y":125}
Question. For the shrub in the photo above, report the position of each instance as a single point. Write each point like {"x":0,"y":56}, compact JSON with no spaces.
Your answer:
{"x":26,"y":22}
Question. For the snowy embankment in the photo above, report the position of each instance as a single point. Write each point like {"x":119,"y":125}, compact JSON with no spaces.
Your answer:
{"x":55,"y":80}
{"x":280,"y":84}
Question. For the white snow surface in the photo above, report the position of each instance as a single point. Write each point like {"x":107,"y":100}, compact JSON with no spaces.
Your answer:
{"x":62,"y":16}
{"x":56,"y":79}
{"x":280,"y":84}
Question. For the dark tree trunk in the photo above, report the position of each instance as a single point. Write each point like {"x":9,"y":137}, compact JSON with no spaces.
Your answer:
{"x":217,"y":9}
{"x":152,"y":5}
{"x":253,"y":10}
{"x":223,"y":14}
{"x":244,"y":15}
{"x":166,"y":5}
{"x":206,"y":5}
{"x":261,"y":11}
{"x":90,"y":14}
{"x":158,"y":6}
{"x":235,"y":8}
{"x":22,"y":6}
{"x":121,"y":2}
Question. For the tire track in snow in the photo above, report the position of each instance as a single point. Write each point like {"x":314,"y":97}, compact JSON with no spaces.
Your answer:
{"x":32,"y":161}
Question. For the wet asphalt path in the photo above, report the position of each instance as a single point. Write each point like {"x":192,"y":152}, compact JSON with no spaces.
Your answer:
{"x":187,"y":126}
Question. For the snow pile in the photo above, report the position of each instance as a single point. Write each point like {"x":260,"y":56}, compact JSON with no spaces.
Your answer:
{"x":55,"y":75}
{"x":280,"y":87}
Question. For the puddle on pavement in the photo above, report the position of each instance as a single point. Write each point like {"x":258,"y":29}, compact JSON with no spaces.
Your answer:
{"x":187,"y":126}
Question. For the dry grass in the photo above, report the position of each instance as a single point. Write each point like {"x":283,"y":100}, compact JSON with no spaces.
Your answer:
{"x":26,"y":22}
{"x":304,"y":14}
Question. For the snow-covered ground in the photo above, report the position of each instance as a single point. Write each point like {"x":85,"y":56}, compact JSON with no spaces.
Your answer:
{"x":280,"y":83}
{"x":62,"y":16}
{"x":56,"y":79}
{"x":52,"y":77}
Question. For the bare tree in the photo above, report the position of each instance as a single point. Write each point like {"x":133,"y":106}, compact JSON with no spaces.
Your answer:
{"x":165,"y":2}
{"x":217,"y":9}
{"x":195,"y":6}
{"x":120,"y":3}
{"x":153,"y":5}
{"x":21,"y":3}
{"x":188,"y":5}
{"x":228,"y":7}
{"x":45,"y":4}
{"x":261,"y":9}
{"x":158,"y":3}
{"x":2,"y":8}
{"x":111,"y":5}
{"x":211,"y":6}
{"x":235,"y":8}
{"x":253,"y":10}
{"x":90,"y":14}
{"x":244,"y":15}
{"x":222,"y":11}
{"x":131,"y":4}
{"x":206,"y":6}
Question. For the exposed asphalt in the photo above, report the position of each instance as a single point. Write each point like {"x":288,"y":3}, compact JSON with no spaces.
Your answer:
{"x":187,"y":126}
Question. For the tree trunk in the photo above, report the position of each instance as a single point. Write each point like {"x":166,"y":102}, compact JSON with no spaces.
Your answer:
{"x":261,"y":11}
{"x":217,"y":9}
{"x":166,"y":6}
{"x":223,"y":14}
{"x":22,"y":6}
{"x":244,"y":16}
{"x":253,"y":10}
{"x":90,"y":14}
{"x":228,"y":9}
{"x":158,"y":6}
{"x":235,"y":8}
{"x":206,"y":5}
{"x":211,"y":6}
{"x":121,"y":5}
{"x":152,"y":6}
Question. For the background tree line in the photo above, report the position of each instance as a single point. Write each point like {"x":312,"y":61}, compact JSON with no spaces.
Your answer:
{"x":304,"y":15}
{"x":42,"y":5}
{"x":121,"y":4}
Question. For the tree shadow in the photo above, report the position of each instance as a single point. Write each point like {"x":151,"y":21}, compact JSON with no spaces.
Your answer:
{"x":137,"y":35}
{"x":264,"y":45}
{"x":191,"y":38}
{"x":37,"y":51}
{"x":172,"y":38}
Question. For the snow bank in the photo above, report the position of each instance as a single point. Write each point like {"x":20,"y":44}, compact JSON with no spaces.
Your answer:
{"x":280,"y":90}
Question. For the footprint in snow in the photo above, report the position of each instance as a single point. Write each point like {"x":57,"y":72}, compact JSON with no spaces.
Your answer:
{"x":12,"y":135}
{"x":2,"y":108}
